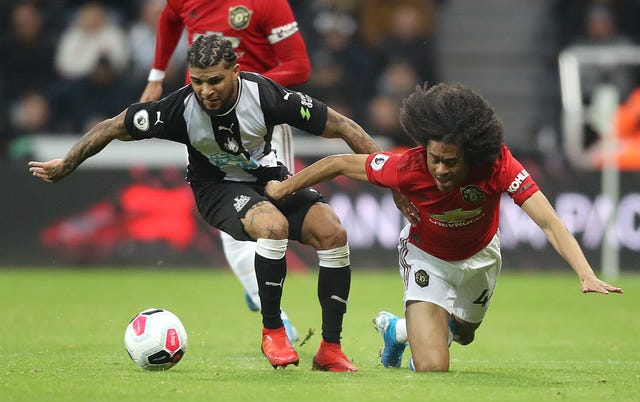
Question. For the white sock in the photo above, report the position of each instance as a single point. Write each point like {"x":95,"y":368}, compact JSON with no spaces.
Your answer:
{"x":240,"y":256}
{"x":401,"y":331}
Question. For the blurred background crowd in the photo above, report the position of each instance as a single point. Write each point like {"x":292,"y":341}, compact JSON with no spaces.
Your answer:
{"x":66,"y":64}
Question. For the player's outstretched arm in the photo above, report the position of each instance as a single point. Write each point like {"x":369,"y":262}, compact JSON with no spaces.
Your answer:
{"x":88,"y":145}
{"x":540,"y":210}
{"x":350,"y":165}
{"x":339,"y":126}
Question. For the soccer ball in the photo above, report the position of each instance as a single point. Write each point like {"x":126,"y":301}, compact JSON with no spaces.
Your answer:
{"x":155,"y":339}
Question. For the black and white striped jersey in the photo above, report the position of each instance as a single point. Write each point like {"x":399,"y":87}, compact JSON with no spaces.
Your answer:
{"x":235,"y":145}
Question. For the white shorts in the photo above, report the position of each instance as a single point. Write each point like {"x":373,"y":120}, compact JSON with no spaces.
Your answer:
{"x":282,"y":142}
{"x":463,"y":288}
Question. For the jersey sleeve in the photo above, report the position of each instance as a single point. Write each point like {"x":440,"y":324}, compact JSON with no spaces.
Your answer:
{"x":158,"y":119}
{"x":168,"y":35}
{"x":284,"y":106}
{"x":382,"y":169}
{"x":289,"y":48}
{"x":513,"y":178}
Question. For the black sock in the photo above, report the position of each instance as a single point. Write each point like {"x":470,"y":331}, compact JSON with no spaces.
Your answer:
{"x":333,"y":293}
{"x":270,"y":275}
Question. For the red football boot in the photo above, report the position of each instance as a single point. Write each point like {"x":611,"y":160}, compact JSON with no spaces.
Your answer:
{"x":277,"y":348}
{"x":331,"y":358}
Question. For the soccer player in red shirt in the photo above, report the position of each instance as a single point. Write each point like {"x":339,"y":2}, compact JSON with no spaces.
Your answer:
{"x":450,"y":253}
{"x":266,"y":39}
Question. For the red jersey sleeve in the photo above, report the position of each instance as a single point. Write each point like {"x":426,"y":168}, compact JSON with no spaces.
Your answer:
{"x":168,"y":34}
{"x":511,"y":177}
{"x":279,"y":24}
{"x":382,"y":169}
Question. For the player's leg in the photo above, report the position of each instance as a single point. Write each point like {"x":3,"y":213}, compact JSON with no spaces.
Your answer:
{"x":475,"y":291}
{"x":266,"y":223}
{"x":429,"y":295}
{"x":323,"y":231}
{"x":427,"y":329}
{"x":240,"y":256}
{"x":256,"y":219}
{"x":464,"y":332}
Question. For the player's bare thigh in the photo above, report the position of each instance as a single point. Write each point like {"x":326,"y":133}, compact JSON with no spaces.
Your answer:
{"x":265,"y":221}
{"x":428,"y":333}
{"x":322,"y":228}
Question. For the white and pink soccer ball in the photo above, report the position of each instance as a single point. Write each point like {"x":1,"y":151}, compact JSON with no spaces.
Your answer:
{"x":155,"y":339}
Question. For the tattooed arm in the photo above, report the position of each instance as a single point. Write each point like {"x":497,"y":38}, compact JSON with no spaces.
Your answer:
{"x":339,"y":126}
{"x":88,"y":145}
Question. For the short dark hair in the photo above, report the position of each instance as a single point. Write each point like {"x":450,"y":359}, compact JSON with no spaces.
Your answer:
{"x":209,"y":50}
{"x":457,"y":115}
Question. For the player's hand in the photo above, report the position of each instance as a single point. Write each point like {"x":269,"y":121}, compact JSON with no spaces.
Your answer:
{"x":272,"y":190}
{"x":407,"y":208}
{"x":152,"y":92}
{"x":594,"y":285}
{"x":51,"y":171}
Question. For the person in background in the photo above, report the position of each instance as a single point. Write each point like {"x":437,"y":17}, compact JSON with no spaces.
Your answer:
{"x":449,"y":255}
{"x":142,"y":31}
{"x":412,"y":40}
{"x":265,"y":35}
{"x":93,"y":35}
{"x":225,"y":118}
{"x":382,"y":119}
{"x":26,"y":53}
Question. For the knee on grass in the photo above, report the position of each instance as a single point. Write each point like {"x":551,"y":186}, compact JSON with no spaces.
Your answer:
{"x":430,"y":365}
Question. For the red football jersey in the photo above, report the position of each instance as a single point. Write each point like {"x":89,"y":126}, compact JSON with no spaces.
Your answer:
{"x":264,"y":34}
{"x":457,"y":224}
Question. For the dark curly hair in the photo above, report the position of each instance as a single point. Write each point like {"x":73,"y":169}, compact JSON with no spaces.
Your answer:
{"x":209,"y":50}
{"x":457,"y":115}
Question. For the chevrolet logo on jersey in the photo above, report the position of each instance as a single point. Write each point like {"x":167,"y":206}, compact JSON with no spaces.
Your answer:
{"x":457,"y":215}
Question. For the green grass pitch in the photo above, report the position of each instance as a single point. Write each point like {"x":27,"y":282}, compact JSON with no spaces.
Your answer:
{"x":62,"y":340}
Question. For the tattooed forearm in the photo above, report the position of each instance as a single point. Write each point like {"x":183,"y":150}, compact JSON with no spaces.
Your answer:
{"x":95,"y":140}
{"x":339,"y":126}
{"x":90,"y":144}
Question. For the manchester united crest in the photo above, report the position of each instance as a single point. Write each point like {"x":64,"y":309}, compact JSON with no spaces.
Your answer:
{"x":472,"y":194}
{"x":239,"y":17}
{"x":422,"y":278}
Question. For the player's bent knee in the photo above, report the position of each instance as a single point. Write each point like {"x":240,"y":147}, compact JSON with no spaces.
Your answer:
{"x":322,"y":228}
{"x":431,"y":366}
{"x":431,"y":359}
{"x":464,"y":340}
{"x":464,"y":337}
{"x":330,"y":237}
{"x":264,"y":220}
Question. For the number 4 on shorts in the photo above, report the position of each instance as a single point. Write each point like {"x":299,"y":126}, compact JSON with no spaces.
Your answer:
{"x":483,"y":299}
